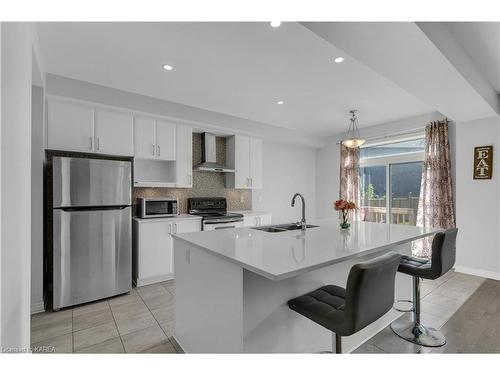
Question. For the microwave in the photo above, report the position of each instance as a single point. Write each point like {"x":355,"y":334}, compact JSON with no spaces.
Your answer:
{"x":157,"y":207}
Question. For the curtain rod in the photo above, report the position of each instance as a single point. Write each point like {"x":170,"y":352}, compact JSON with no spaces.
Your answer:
{"x":402,"y":132}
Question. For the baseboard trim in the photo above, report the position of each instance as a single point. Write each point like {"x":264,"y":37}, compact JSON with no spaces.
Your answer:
{"x":37,"y":307}
{"x":178,"y":343}
{"x":153,"y":280}
{"x":478,"y":272}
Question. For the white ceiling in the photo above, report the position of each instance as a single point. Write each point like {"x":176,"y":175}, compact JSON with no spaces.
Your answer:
{"x":481,"y":41}
{"x":241,"y":69}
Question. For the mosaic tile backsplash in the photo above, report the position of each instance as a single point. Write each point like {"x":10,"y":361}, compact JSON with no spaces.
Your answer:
{"x":205,"y":184}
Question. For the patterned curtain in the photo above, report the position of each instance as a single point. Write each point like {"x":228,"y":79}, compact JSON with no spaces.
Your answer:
{"x":349,"y":175}
{"x":435,"y":207}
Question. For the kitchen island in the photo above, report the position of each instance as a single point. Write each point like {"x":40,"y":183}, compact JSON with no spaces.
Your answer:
{"x":232,"y":285}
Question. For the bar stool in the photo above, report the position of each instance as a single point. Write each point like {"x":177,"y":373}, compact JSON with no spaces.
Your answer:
{"x":368,"y":295}
{"x":442,"y":260}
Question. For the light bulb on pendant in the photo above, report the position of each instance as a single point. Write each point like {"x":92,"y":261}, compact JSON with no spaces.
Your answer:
{"x":353,"y":139}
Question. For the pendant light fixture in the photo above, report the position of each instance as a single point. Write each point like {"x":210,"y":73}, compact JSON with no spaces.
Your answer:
{"x":353,"y":139}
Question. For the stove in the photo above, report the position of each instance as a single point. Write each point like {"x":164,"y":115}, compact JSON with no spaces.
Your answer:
{"x":214,"y":213}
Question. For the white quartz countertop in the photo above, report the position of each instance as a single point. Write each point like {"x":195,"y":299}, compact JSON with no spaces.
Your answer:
{"x":278,"y":256}
{"x":169,"y":218}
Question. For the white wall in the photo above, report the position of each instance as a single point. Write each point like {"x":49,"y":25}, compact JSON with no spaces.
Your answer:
{"x":16,"y":78}
{"x":37,"y":218}
{"x":477,"y":201}
{"x":288,"y":169}
{"x":327,"y":178}
{"x":1,"y":226}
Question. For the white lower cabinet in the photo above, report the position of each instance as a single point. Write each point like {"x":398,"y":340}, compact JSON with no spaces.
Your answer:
{"x":256,"y":219}
{"x":153,"y":247}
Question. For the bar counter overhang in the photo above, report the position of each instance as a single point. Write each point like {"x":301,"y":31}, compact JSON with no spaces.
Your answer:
{"x":232,"y":285}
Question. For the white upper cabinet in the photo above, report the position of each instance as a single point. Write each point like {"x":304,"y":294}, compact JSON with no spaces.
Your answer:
{"x":154,"y":139}
{"x":144,"y":138}
{"x":256,"y":163}
{"x":85,"y":128}
{"x":184,"y":157}
{"x":114,"y":133}
{"x":244,"y":154}
{"x":165,"y":140}
{"x":70,"y":127}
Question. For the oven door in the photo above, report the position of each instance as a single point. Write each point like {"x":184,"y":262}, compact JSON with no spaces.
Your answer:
{"x":215,"y":225}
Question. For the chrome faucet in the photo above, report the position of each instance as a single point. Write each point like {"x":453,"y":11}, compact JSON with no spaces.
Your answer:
{"x":303,"y":221}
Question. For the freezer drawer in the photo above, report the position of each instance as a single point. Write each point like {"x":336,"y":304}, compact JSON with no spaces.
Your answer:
{"x":80,"y":182}
{"x":92,"y":255}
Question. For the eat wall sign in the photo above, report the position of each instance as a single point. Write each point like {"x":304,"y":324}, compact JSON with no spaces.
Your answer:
{"x":483,"y":162}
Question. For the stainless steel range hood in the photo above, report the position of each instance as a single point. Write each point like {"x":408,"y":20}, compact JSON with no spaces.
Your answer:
{"x":208,"y":156}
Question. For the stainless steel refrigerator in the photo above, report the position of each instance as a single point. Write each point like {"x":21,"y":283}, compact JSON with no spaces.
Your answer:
{"x":92,"y":244}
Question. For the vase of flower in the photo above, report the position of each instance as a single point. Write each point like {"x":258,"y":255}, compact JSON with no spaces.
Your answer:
{"x":344,"y":207}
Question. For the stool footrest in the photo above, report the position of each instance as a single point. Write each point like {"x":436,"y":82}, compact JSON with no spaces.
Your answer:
{"x":411,"y":309}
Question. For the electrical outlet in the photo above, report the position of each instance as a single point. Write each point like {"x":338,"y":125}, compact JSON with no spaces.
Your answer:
{"x":242,"y":199}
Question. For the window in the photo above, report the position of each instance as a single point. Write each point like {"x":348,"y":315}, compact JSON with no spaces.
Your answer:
{"x":390,"y":175}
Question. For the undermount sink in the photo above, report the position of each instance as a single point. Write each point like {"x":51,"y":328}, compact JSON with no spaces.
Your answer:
{"x":283,"y":227}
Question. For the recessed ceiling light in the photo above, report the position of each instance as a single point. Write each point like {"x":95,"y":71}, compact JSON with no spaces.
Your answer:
{"x":338,"y":59}
{"x":167,"y":67}
{"x":275,"y":23}
{"x":280,"y":102}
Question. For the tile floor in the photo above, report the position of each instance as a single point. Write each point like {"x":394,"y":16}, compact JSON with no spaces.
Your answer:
{"x":441,"y":299}
{"x":143,"y":321}
{"x":139,"y":322}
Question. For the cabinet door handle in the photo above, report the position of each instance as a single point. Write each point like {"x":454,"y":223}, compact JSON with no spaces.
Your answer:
{"x":153,"y":150}
{"x":190,"y":179}
{"x":170,"y":228}
{"x":97,"y":143}
{"x":158,"y":148}
{"x":175,"y":228}
{"x":91,"y":143}
{"x":251,"y":181}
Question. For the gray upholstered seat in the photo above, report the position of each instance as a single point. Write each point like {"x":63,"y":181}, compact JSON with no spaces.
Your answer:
{"x":442,"y":260}
{"x":369,"y":294}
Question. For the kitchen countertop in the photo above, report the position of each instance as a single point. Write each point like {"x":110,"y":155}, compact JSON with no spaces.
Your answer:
{"x":278,"y":256}
{"x":170,"y":218}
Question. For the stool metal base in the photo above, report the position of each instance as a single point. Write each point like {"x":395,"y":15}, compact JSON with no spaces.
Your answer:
{"x":418,"y":333}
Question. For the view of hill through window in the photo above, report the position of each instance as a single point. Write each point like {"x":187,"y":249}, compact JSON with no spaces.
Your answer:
{"x":404,"y":180}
